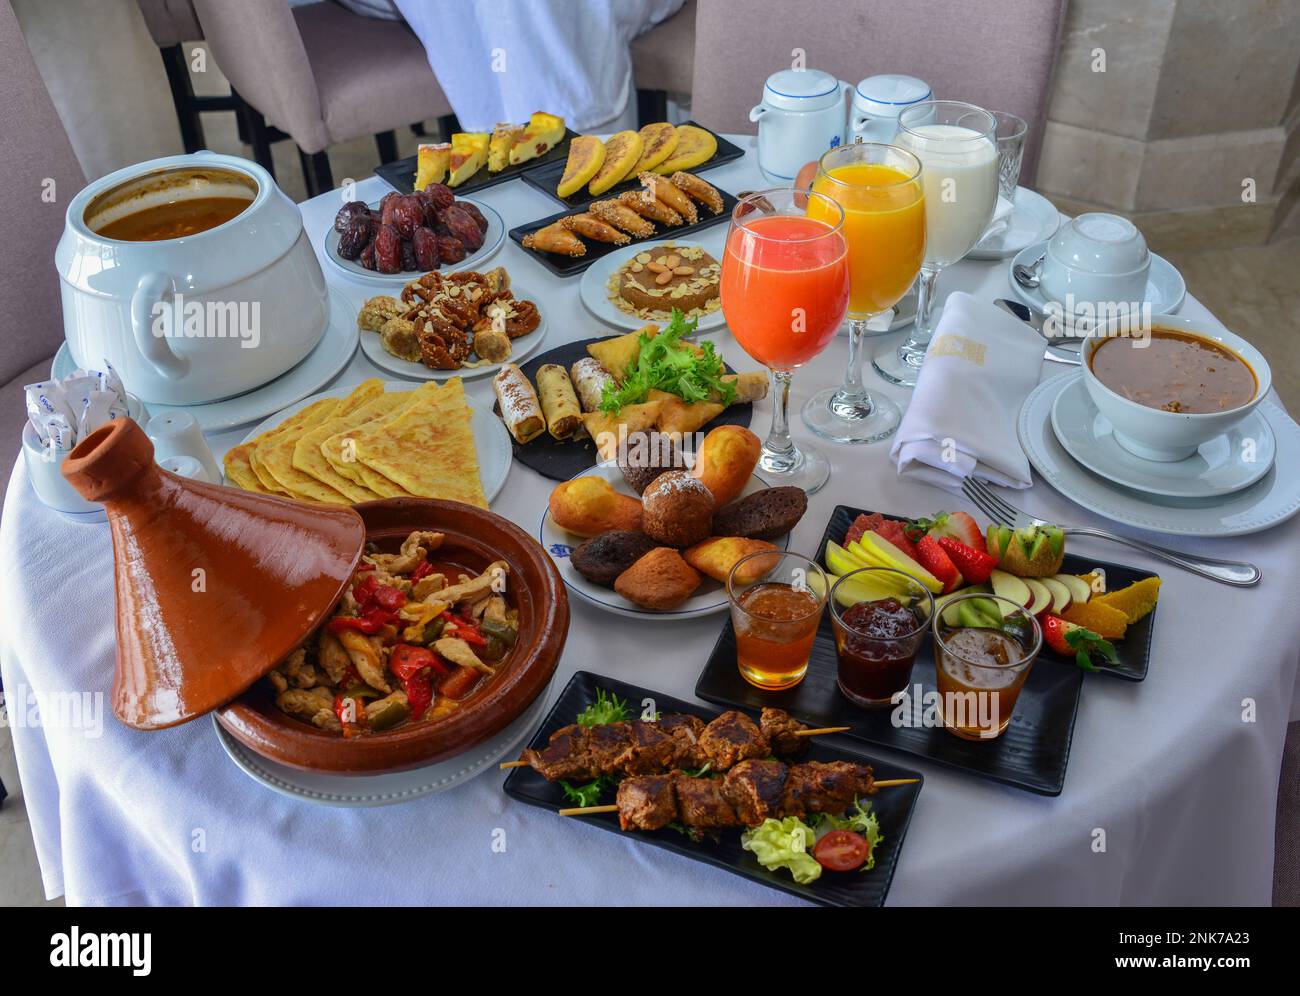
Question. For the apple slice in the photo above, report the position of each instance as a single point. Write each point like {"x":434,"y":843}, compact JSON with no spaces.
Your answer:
{"x":1010,"y":587}
{"x":1042,"y":597}
{"x":1061,"y":597}
{"x":886,"y":554}
{"x":867,"y":588}
{"x":841,"y":561}
{"x":1080,"y":590}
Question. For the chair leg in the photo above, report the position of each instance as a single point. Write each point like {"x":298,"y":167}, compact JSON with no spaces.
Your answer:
{"x":651,"y":106}
{"x":187,"y":114}
{"x":386,"y":143}
{"x":316,"y":171}
{"x":259,"y":137}
{"x":448,"y":124}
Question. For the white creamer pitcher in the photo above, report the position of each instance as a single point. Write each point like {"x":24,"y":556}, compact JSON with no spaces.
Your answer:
{"x":802,"y":115}
{"x":877,"y":103}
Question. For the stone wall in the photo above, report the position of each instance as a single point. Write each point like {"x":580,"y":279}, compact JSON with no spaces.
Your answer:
{"x":1182,"y":114}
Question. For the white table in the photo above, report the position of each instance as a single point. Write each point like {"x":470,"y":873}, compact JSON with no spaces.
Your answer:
{"x":1183,"y":789}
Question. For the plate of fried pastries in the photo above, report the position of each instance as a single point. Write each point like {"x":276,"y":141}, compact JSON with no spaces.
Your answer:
{"x":444,"y":325}
{"x":661,"y":207}
{"x":376,"y":440}
{"x":553,"y":405}
{"x":656,"y":531}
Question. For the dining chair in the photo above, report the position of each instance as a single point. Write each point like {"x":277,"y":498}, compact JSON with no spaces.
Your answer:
{"x":321,"y":75}
{"x":41,"y":174}
{"x":663,"y":62}
{"x":998,"y":55}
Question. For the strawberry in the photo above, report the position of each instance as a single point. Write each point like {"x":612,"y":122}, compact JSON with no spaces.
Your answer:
{"x":957,"y":525}
{"x":975,"y":565}
{"x":931,"y":556}
{"x":1072,"y":640}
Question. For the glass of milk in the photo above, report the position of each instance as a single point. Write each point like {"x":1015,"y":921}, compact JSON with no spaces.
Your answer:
{"x":955,"y":142}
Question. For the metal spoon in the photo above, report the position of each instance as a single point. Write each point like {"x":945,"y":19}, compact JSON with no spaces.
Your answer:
{"x":1036,"y":321}
{"x":1027,"y":276}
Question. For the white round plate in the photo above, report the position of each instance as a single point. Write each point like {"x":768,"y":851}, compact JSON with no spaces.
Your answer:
{"x":492,"y":241}
{"x":322,"y":364}
{"x":520,"y":348}
{"x":326,"y":789}
{"x":1165,"y":287}
{"x":1219,"y":467}
{"x":594,"y":296}
{"x":1033,"y":219}
{"x":491,"y":440}
{"x":709,"y":598}
{"x":1272,"y":499}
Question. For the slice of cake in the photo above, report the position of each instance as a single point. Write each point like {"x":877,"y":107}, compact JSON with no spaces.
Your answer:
{"x":654,"y":282}
{"x":468,"y":154}
{"x":544,"y":132}
{"x":431,"y":164}
{"x":504,"y":138}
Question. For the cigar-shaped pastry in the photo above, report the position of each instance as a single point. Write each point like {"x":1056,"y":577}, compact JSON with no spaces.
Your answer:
{"x":559,"y":402}
{"x":520,"y":409}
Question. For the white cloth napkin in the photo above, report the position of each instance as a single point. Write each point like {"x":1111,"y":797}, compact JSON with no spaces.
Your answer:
{"x":981,"y":365}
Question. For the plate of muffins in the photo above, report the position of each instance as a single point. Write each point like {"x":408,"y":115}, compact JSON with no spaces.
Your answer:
{"x":656,"y":531}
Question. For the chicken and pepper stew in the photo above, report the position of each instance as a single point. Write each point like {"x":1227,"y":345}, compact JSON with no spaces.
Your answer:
{"x":410,"y":640}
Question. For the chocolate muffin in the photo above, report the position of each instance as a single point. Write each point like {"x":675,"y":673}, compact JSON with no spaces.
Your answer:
{"x":677,"y":509}
{"x":763,"y":515}
{"x":646,"y":456}
{"x":603,"y":558}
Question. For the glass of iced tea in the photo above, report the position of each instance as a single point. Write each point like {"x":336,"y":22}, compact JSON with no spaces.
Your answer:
{"x":984,"y":646}
{"x":880,"y":617}
{"x":776,"y":607}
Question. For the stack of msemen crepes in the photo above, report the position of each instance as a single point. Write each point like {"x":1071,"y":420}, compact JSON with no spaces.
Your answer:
{"x":370,"y":444}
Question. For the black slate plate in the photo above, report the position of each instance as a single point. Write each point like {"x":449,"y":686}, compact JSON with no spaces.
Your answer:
{"x":1033,"y":752}
{"x":547,"y":178}
{"x":569,"y":266}
{"x":892,"y":806}
{"x":400,"y":174}
{"x":561,"y":460}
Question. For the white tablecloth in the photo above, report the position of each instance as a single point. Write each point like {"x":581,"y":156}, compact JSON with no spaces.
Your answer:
{"x":1167,"y":773}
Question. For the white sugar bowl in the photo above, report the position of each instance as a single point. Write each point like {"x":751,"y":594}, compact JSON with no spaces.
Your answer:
{"x":803,"y":114}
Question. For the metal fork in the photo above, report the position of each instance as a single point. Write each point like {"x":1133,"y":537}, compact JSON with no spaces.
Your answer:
{"x":1232,"y":572}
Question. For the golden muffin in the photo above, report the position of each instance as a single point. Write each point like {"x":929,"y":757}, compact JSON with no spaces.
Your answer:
{"x":677,"y":509}
{"x":659,"y":580}
{"x":589,"y":506}
{"x":726,"y":461}
{"x":716,"y":556}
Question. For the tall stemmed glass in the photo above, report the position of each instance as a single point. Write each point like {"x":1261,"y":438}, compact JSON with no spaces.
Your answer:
{"x":879,"y":188}
{"x":785,"y":291}
{"x":959,"y":170}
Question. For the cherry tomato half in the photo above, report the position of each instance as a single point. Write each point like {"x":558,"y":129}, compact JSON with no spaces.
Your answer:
{"x":842,"y":851}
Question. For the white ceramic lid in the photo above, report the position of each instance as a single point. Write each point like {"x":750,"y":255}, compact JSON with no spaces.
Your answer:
{"x":886,"y":95}
{"x":801,"y":90}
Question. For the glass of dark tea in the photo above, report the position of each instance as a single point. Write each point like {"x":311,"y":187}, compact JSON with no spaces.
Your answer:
{"x":984,"y":646}
{"x":880,"y":617}
{"x":776,"y":606}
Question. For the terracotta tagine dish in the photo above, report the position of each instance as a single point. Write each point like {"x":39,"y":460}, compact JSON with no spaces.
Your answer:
{"x":214,"y":585}
{"x":473,"y":544}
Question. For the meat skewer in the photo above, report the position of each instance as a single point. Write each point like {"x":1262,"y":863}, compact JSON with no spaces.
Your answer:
{"x":749,"y":793}
{"x":678,"y":740}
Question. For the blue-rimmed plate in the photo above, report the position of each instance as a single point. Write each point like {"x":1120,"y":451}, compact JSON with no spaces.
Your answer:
{"x":709,"y":598}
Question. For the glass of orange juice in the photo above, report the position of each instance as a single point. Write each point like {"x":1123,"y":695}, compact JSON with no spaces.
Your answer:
{"x":785,"y":291}
{"x":880,"y":191}
{"x":776,"y":607}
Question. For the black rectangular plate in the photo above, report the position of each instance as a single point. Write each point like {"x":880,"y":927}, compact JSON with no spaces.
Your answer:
{"x":400,"y":174}
{"x":1033,"y":752}
{"x":547,"y":178}
{"x":569,"y":266}
{"x":893,"y":806}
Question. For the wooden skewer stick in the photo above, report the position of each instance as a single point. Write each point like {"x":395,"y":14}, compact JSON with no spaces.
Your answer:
{"x":821,"y":730}
{"x":592,"y":810}
{"x":512,"y":764}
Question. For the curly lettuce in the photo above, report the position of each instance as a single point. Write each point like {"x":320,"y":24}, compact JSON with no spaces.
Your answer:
{"x":784,"y":844}
{"x":666,"y":363}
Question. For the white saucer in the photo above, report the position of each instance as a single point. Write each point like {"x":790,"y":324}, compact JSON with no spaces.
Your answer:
{"x":493,"y":239}
{"x":1272,"y":499}
{"x":520,"y":348}
{"x":326,"y":789}
{"x":594,"y":296}
{"x":1217,"y":468}
{"x":491,"y":440}
{"x":1033,"y":219}
{"x":709,"y":598}
{"x":1165,"y":287}
{"x":322,"y":364}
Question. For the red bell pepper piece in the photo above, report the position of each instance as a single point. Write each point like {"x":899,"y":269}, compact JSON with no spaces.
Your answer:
{"x":422,"y":570}
{"x":351,"y":713}
{"x":364,"y":624}
{"x":388,"y":598}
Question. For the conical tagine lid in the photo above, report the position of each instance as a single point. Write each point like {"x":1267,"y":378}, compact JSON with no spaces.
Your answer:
{"x":215,"y":585}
